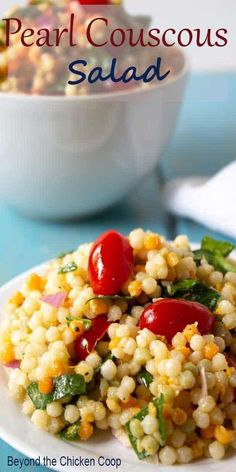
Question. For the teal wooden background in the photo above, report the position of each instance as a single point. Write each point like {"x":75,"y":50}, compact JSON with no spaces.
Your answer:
{"x":204,"y":141}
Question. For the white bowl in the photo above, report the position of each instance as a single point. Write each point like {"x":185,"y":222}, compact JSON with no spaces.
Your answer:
{"x":63,"y":157}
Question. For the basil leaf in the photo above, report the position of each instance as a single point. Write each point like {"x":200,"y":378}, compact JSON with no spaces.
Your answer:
{"x":70,"y":267}
{"x":220,"y":263}
{"x":40,"y":400}
{"x":145,"y":378}
{"x":133,"y":440}
{"x":193,"y":290}
{"x":69,"y":384}
{"x":183,"y":286}
{"x":70,"y":433}
{"x":159,"y":404}
{"x":221,"y":247}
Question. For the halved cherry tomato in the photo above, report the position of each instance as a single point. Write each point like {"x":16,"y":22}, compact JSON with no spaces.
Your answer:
{"x":87,"y":342}
{"x":95,"y":2}
{"x":167,"y":317}
{"x":111,"y":262}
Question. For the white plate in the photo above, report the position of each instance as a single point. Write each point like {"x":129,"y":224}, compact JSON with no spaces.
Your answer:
{"x":18,"y":431}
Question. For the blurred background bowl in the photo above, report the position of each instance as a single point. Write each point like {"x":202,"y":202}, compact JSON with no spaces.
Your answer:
{"x":66,"y":157}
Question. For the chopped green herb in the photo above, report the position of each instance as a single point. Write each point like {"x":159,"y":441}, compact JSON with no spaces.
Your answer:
{"x":63,"y":254}
{"x":87,"y":323}
{"x":215,"y":253}
{"x":193,"y":290}
{"x":70,"y":267}
{"x":70,"y":433}
{"x":111,"y":297}
{"x":70,"y":384}
{"x":145,"y":378}
{"x":221,"y":263}
{"x":159,"y":404}
{"x":212,"y":245}
{"x":40,"y":400}
{"x":133,"y":440}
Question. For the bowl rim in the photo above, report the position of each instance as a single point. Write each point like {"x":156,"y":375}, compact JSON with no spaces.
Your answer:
{"x":108,"y":96}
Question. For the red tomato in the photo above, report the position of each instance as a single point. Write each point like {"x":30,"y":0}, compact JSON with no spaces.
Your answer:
{"x":168,"y":316}
{"x":95,"y":2}
{"x":87,"y":342}
{"x":111,"y":263}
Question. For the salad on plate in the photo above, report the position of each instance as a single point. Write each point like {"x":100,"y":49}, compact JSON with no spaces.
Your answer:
{"x":133,"y":334}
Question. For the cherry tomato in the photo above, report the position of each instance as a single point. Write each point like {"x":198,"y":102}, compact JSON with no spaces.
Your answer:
{"x":168,"y":316}
{"x":87,"y":342}
{"x":94,"y":2}
{"x":111,"y":263}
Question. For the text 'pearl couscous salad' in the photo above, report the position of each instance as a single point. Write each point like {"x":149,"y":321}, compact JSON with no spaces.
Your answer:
{"x":134,"y":334}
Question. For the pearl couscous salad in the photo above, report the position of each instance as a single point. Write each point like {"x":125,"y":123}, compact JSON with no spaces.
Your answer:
{"x":134,"y":334}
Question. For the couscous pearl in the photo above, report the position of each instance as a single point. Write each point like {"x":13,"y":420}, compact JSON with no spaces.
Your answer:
{"x":172,"y":368}
{"x":207,"y":404}
{"x":216,"y":450}
{"x":136,"y":238}
{"x":197,"y":342}
{"x":159,"y":350}
{"x":71,"y":413}
{"x":201,"y":419}
{"x":184,"y":455}
{"x":109,"y":370}
{"x":219,"y":362}
{"x":136,"y":428}
{"x":54,"y":409}
{"x":40,"y":419}
{"x":53,"y":334}
{"x":150,"y":424}
{"x":168,"y":455}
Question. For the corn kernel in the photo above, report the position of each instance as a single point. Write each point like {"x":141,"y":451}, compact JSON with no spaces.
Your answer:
{"x":85,"y":431}
{"x":34,"y":282}
{"x":172,"y":259}
{"x":135,"y":288}
{"x":45,"y":385}
{"x":114,"y":343}
{"x":152,"y":409}
{"x":189,"y":331}
{"x":17,"y":299}
{"x":222,"y":435}
{"x":186,"y":351}
{"x":152,"y":241}
{"x":77,"y":328}
{"x":57,"y":368}
{"x":230,"y":371}
{"x":7,"y":353}
{"x":210,"y":350}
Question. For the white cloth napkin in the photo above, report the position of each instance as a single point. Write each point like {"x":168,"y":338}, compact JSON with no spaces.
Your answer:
{"x":211,"y":202}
